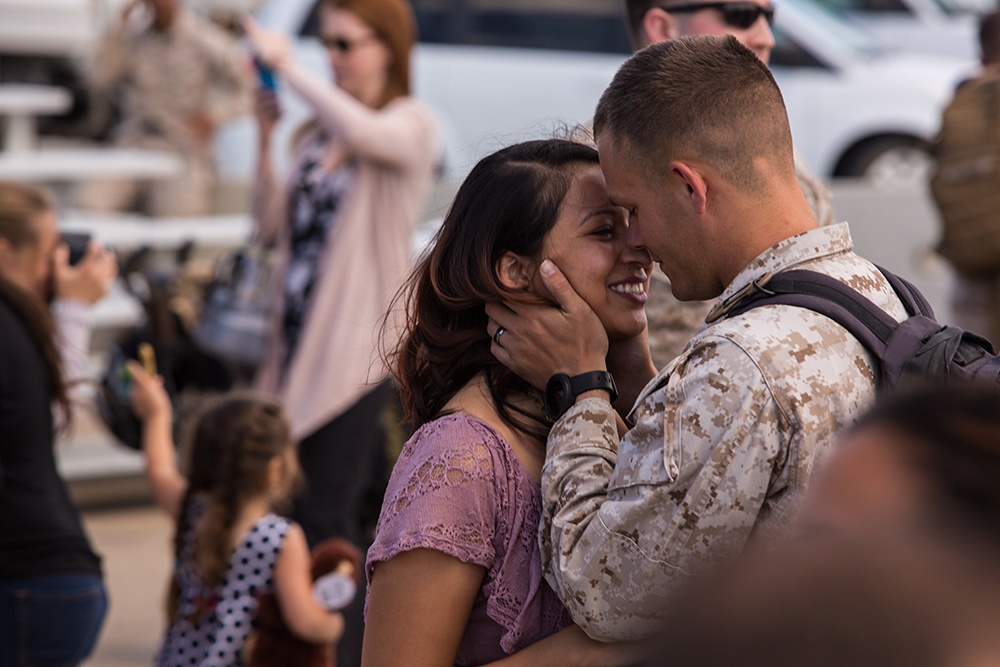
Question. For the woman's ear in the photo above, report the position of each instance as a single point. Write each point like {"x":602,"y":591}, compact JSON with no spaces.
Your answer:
{"x":514,"y":271}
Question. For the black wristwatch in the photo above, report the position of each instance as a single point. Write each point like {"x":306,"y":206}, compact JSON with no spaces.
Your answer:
{"x":561,"y":390}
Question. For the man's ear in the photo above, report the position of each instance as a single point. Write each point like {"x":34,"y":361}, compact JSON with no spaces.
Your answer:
{"x":514,"y":271}
{"x":695,"y":186}
{"x":660,"y":26}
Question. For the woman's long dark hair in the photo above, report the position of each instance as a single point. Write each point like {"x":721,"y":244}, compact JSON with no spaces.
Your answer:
{"x":508,"y":203}
{"x":20,"y":207}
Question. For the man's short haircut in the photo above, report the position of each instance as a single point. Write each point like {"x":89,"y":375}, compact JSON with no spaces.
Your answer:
{"x":706,"y":98}
{"x":989,"y":37}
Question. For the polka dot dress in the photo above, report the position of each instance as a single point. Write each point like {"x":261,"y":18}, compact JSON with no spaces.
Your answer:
{"x":222,"y":616}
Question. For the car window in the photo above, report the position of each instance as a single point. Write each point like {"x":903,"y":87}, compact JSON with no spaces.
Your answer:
{"x":561,"y":25}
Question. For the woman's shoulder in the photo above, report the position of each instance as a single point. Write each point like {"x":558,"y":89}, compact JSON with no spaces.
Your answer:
{"x":452,"y":451}
{"x":456,"y":434}
{"x":10,"y":321}
{"x":269,"y":531}
{"x":444,"y":493}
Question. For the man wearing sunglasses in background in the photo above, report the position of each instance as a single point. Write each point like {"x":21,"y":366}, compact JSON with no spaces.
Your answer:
{"x":672,"y":323}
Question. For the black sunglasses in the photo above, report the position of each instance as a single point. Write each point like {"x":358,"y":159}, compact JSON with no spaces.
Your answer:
{"x":739,"y":14}
{"x":343,"y":45}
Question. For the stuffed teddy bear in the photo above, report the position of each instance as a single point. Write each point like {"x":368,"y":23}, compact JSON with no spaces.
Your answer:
{"x":272,"y":642}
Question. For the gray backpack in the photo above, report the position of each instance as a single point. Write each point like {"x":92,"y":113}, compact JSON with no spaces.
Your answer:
{"x":915,"y":351}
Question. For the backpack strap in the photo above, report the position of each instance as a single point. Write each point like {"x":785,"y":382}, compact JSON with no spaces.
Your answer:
{"x":871,"y":325}
{"x":911,"y":297}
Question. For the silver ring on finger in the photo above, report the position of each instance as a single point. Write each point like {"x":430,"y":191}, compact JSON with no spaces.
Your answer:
{"x":496,"y":334}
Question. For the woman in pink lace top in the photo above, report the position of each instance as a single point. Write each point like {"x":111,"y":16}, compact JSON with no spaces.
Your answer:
{"x":455,"y":573}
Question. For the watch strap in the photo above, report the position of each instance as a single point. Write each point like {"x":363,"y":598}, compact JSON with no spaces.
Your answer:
{"x":593,"y":380}
{"x":561,"y":390}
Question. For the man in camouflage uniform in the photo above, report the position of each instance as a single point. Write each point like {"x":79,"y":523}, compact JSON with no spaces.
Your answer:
{"x":181,"y":76}
{"x":672,"y":323}
{"x":695,"y":143}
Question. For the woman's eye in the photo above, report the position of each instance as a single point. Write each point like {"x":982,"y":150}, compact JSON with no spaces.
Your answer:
{"x":607,"y":230}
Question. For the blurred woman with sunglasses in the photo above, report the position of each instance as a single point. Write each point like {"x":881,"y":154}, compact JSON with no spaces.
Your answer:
{"x":344,"y":219}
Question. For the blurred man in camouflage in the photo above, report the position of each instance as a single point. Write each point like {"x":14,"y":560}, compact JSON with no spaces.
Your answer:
{"x":672,"y":323}
{"x":695,"y":144}
{"x":180,"y":76}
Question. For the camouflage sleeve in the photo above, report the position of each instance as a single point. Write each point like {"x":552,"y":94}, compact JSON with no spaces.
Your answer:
{"x":621,"y":523}
{"x":108,"y":65}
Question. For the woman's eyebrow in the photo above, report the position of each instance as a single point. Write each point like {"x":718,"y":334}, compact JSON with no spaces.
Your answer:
{"x":604,"y":210}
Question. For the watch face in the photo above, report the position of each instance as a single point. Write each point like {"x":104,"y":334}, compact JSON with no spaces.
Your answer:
{"x":558,"y":396}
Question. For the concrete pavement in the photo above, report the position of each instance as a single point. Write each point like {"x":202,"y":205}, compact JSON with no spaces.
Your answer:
{"x":134,"y":541}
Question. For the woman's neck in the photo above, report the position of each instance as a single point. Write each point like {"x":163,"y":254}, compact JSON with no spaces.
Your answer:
{"x":474,"y":399}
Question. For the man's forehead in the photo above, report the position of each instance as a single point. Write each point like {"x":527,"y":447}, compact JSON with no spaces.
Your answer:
{"x":616,"y":156}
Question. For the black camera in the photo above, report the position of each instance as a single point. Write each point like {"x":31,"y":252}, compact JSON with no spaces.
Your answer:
{"x":78,"y":243}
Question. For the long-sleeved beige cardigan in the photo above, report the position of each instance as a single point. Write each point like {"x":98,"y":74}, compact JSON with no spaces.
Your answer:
{"x":366,"y":258}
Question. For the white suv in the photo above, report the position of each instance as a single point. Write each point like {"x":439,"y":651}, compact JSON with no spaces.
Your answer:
{"x":499,"y":71}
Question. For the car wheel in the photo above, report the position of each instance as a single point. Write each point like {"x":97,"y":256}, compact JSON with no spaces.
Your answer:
{"x":888,"y":162}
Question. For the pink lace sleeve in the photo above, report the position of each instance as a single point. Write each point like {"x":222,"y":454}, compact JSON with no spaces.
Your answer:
{"x":441,"y":496}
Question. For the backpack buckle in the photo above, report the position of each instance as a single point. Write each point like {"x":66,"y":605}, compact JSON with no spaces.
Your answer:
{"x":753,"y":288}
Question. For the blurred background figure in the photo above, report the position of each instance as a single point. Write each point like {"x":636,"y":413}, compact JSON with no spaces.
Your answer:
{"x":52,"y":595}
{"x":966,"y":188}
{"x":672,"y":322}
{"x":343,"y":221}
{"x":179,"y":76}
{"x":34,"y":258}
{"x":831,"y":602}
{"x":922,"y":463}
{"x":230,"y":546}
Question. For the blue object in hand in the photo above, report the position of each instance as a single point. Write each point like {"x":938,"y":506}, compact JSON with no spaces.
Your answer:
{"x":266,"y":77}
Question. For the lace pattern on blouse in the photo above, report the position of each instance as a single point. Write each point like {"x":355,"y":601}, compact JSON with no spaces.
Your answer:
{"x":458,"y":488}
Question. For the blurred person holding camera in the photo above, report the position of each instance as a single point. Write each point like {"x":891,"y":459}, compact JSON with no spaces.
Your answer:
{"x":343,"y":222}
{"x":52,"y":596}
{"x":180,"y":77}
{"x":68,"y":273}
